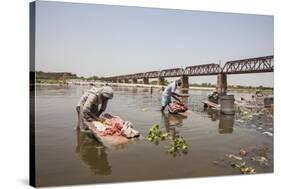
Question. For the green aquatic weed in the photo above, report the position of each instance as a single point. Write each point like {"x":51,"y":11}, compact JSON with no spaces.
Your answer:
{"x":155,"y":134}
{"x":178,"y":145}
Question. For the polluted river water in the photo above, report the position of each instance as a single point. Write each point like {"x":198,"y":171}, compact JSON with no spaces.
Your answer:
{"x":65,"y":156}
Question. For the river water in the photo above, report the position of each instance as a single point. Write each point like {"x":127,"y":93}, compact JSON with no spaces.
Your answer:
{"x":65,"y":156}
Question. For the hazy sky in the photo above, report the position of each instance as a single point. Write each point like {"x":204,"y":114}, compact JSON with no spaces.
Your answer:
{"x":103,"y":40}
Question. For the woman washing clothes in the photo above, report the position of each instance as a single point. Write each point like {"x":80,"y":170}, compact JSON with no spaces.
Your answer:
{"x":90,"y":110}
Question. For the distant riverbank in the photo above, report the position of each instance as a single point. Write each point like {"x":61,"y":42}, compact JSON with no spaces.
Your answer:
{"x":100,"y":83}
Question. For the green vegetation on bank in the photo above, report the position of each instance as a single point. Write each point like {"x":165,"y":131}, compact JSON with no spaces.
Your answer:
{"x":60,"y":77}
{"x":53,"y":77}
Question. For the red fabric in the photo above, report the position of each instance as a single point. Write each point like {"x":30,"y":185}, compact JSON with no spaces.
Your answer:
{"x":114,"y":130}
{"x":116,"y":122}
{"x":116,"y":126}
{"x":175,"y":107}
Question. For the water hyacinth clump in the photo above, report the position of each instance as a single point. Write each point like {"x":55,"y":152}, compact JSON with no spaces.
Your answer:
{"x":155,"y":134}
{"x":178,"y":145}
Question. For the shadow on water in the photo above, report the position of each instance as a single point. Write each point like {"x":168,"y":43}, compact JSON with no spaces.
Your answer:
{"x":92,"y":154}
{"x":226,"y":124}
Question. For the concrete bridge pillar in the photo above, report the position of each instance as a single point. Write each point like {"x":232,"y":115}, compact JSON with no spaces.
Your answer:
{"x":185,"y":82}
{"x":161,"y":81}
{"x":221,"y":84}
{"x":135,"y":81}
{"x":126,"y":81}
{"x":145,"y":80}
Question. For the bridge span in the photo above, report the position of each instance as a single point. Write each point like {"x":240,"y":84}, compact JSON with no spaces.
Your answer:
{"x":243,"y":66}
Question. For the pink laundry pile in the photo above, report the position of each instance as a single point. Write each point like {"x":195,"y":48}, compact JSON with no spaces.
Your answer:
{"x":115,"y":127}
{"x":175,"y":107}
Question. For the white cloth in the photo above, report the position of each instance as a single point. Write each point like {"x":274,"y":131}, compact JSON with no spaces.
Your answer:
{"x":99,"y":126}
{"x":128,"y":131}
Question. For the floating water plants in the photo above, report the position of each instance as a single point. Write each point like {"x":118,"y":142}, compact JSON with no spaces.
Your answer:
{"x":178,"y":145}
{"x":155,"y":134}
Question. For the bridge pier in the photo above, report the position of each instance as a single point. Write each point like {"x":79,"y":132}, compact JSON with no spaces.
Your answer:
{"x":145,"y":80}
{"x":161,"y":81}
{"x":185,"y":81}
{"x":221,"y":84}
{"x":119,"y":81}
{"x":126,"y":81}
{"x":135,"y":81}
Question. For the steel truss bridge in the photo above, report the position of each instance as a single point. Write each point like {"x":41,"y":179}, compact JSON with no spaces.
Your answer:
{"x":243,"y":66}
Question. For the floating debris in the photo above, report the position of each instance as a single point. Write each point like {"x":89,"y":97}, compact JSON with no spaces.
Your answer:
{"x":268,"y":133}
{"x":260,"y":159}
{"x":240,"y":121}
{"x":242,"y":152}
{"x":243,"y":168}
{"x":234,"y":157}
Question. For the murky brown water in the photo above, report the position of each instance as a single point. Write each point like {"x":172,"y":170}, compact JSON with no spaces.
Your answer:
{"x":66,"y":157}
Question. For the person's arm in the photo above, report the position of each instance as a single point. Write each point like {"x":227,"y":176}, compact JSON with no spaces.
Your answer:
{"x":103,"y":107}
{"x":179,"y":95}
{"x":90,"y":109}
{"x":177,"y":99}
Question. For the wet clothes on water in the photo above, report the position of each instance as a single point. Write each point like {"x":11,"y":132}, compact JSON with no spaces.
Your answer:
{"x":119,"y":127}
{"x":115,"y":127}
{"x":176,"y":107}
{"x":128,"y":131}
{"x":113,"y":130}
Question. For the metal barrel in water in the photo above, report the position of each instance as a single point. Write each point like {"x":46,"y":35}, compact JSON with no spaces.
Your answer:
{"x":227,"y":104}
{"x":268,"y":101}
